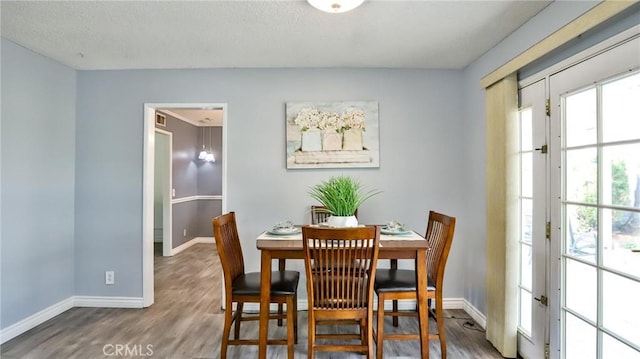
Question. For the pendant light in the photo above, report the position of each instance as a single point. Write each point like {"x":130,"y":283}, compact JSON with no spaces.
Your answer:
{"x":209,"y":156}
{"x":203,"y":153}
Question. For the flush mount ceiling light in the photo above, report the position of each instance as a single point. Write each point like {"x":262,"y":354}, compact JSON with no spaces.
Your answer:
{"x":335,"y":6}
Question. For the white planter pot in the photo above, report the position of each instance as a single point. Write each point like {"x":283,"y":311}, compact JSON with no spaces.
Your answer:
{"x":342,"y":221}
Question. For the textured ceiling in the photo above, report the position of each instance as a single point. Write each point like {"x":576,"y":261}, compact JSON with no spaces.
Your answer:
{"x":283,"y":33}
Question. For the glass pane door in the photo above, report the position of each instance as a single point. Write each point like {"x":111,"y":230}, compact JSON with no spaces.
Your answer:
{"x":532,"y":242}
{"x":600,"y":208}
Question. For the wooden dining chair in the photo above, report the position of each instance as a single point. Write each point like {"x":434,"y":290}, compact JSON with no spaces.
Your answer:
{"x":394,"y":284}
{"x":241,"y":287}
{"x":344,"y":295}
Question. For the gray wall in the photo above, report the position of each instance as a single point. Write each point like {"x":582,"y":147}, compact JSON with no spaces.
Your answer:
{"x":210,"y":173}
{"x":185,"y":152}
{"x":420,"y":122}
{"x":210,"y":184}
{"x":38,"y":181}
{"x":184,"y":179}
{"x":194,"y":177}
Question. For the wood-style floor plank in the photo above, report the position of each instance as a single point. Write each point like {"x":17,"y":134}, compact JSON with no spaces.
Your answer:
{"x":186,"y":322}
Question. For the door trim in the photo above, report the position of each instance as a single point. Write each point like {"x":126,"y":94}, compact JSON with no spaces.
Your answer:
{"x":167,"y":208}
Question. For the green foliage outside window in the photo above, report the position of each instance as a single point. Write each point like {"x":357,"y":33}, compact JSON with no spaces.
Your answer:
{"x":588,"y":216}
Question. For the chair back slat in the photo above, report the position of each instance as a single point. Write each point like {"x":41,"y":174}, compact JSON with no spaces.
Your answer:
{"x":344,"y":286}
{"x":439,"y":235}
{"x":319,"y":214}
{"x":225,"y":232}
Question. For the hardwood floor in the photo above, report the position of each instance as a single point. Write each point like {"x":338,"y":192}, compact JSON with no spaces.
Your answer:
{"x":186,"y":322}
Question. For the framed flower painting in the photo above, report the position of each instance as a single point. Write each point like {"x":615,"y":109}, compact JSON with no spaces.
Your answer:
{"x":332,"y":134}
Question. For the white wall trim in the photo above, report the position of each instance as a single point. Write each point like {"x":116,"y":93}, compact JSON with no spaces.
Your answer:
{"x":34,"y":320}
{"x":48,"y":313}
{"x":191,"y":242}
{"x":196,"y":198}
{"x":474,"y":313}
{"x":107,"y":302}
{"x":167,"y":207}
{"x":42,"y":316}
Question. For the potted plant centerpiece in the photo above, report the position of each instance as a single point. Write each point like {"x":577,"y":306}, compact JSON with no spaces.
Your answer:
{"x":341,"y":195}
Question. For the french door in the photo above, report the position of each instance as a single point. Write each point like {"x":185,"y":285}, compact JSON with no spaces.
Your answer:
{"x":595,"y":206}
{"x":579,"y":203}
{"x":532,"y":241}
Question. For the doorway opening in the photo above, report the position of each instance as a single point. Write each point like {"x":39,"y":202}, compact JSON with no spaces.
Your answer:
{"x":149,"y":173}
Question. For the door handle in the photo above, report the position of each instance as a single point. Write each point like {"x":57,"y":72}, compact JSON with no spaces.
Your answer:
{"x":542,"y":149}
{"x":543,"y":300}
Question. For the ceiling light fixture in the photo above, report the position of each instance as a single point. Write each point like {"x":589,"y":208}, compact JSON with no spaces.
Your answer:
{"x":209,"y":157}
{"x":203,"y":153}
{"x":335,"y":6}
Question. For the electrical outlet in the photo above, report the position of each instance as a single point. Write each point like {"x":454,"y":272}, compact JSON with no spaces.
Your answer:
{"x":184,"y":232}
{"x":109,"y":277}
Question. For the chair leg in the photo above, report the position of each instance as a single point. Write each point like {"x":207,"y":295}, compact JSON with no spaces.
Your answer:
{"x":442,"y":334}
{"x":226,"y":331}
{"x":380,"y":328}
{"x":369,"y":331}
{"x":394,"y":265}
{"x":281,"y":267}
{"x":395,"y":309}
{"x":280,"y":311}
{"x":290,"y":324}
{"x":295,"y":317}
{"x":236,"y":331}
{"x":312,"y":334}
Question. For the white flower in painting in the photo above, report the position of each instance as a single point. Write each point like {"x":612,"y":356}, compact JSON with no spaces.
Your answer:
{"x":353,"y":118}
{"x":330,"y":121}
{"x":308,"y":118}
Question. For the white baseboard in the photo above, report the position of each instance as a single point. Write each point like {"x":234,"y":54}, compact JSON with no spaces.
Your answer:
{"x":477,"y":315}
{"x":107,"y":302}
{"x":34,"y":320}
{"x":42,"y":316}
{"x":191,"y":242}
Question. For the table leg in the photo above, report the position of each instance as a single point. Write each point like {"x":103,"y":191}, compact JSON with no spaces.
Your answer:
{"x":423,"y":311}
{"x":265,"y":288}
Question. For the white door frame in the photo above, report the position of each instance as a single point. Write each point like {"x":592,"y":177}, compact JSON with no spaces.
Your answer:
{"x":149,"y":121}
{"x":532,"y":345}
{"x":167,"y":208}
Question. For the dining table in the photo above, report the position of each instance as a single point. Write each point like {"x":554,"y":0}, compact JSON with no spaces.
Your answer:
{"x":393,"y":245}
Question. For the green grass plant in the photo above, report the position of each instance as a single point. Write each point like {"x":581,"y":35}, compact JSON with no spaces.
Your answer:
{"x":341,"y":195}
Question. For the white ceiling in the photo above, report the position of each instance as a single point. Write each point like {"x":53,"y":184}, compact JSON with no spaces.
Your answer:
{"x":88,"y":35}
